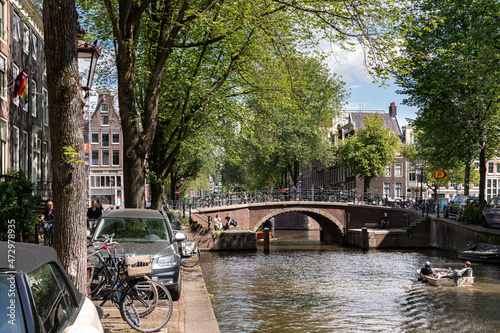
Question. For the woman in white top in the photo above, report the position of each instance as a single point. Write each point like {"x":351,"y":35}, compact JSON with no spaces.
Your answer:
{"x":217,"y":222}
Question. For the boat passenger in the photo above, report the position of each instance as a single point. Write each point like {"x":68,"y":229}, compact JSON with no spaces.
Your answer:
{"x":467,"y":271}
{"x":427,"y":269}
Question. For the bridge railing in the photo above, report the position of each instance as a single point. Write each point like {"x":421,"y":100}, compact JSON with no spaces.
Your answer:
{"x":276,"y":195}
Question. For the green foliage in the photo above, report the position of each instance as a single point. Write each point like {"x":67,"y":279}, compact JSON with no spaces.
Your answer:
{"x":72,"y":154}
{"x":370,"y":150}
{"x":471,"y":215}
{"x":449,"y":67}
{"x":17,"y":203}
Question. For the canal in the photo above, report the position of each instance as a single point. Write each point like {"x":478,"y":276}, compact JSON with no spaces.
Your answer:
{"x":303,"y":286}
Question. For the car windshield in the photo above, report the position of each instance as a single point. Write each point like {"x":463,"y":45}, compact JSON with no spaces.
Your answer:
{"x":133,"y":229}
{"x":11,"y":309}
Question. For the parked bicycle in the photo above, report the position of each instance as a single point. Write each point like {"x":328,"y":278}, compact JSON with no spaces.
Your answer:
{"x":144,"y":304}
{"x":48,"y":232}
{"x":190,"y":254}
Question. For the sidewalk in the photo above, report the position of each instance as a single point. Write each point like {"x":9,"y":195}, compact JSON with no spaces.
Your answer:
{"x":193,"y":312}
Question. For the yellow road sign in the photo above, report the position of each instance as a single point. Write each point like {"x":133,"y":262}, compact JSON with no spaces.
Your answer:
{"x":441,"y":174}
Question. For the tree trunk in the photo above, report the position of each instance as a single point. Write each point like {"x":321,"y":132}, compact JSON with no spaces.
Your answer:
{"x":134,"y":176}
{"x":366,"y":186}
{"x":156,"y":195}
{"x":482,"y":173}
{"x":65,"y":102}
{"x":467,"y":178}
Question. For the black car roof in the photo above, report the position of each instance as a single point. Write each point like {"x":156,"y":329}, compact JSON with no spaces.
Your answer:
{"x":30,"y":257}
{"x":133,"y":212}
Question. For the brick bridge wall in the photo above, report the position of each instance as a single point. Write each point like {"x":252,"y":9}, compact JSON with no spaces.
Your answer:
{"x":331,"y":216}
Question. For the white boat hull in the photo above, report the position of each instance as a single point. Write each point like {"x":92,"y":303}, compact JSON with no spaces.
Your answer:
{"x":442,"y":278}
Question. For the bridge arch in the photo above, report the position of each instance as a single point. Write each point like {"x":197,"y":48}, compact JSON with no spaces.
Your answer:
{"x":332,"y":228}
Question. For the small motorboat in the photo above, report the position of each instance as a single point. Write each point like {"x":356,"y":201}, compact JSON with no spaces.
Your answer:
{"x":481,"y":252}
{"x":446,"y":277}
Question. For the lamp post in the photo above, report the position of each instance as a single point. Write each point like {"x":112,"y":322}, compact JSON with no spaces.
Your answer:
{"x":88,"y":54}
{"x":112,"y":182}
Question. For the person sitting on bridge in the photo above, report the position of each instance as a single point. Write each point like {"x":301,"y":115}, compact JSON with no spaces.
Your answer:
{"x":217,"y":223}
{"x":384,"y":223}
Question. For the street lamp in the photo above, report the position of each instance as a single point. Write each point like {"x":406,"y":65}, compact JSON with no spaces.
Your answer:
{"x":88,"y":54}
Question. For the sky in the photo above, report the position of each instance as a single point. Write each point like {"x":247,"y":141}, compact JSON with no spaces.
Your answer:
{"x":365,"y":95}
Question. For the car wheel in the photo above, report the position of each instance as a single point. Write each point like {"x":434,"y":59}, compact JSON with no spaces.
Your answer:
{"x":485,"y":223}
{"x":176,"y":292}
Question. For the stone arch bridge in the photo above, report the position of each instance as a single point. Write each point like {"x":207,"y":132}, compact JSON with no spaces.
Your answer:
{"x":334,"y":218}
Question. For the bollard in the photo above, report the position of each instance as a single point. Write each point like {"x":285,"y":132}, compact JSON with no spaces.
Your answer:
{"x":266,"y":240}
{"x":364,"y":239}
{"x":209,"y":219}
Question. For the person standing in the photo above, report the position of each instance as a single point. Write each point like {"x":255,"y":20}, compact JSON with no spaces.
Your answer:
{"x":48,"y":229}
{"x":93,"y":213}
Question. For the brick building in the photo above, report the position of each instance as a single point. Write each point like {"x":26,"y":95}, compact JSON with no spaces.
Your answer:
{"x":104,"y":156}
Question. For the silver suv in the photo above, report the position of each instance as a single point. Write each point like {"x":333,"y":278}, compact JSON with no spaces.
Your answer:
{"x":146,"y":232}
{"x":491,"y":213}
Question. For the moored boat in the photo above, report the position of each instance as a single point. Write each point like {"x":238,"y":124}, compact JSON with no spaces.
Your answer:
{"x":481,"y":252}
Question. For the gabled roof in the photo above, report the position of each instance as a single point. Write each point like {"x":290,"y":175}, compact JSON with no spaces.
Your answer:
{"x":357,"y":117}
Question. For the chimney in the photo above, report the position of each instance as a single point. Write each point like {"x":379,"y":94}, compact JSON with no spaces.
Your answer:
{"x":392,"y":110}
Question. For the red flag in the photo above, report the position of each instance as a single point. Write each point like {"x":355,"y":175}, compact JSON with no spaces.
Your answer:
{"x":20,"y":87}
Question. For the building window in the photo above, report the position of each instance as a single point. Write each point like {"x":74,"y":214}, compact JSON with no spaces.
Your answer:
{"x":16,"y":27}
{"x":488,"y":183}
{"x":116,"y":137}
{"x":45,"y":107}
{"x":3,"y":76}
{"x":95,"y":137}
{"x":25,"y":105}
{"x":3,"y":146}
{"x":2,"y":19}
{"x":105,"y":157}
{"x":15,"y":145}
{"x":116,"y":157}
{"x":33,"y":98}
{"x":34,"y":40}
{"x":45,"y":158}
{"x":412,"y":176}
{"x":398,"y":190}
{"x":387,"y":190}
{"x":104,"y":120}
{"x":387,"y":172}
{"x":398,"y":170}
{"x":105,"y":139}
{"x":104,"y":107}
{"x":95,"y":157}
{"x":26,"y":39}
{"x":15,"y":72}
{"x":24,"y":165}
{"x":490,"y":167}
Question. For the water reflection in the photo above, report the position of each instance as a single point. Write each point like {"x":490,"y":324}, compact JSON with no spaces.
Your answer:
{"x":302,"y":286}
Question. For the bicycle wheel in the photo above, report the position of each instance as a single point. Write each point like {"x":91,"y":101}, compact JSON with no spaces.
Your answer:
{"x":192,"y":261}
{"x":146,"y":308}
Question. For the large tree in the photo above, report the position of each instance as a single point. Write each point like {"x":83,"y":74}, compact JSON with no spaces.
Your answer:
{"x":449,"y":67}
{"x":65,"y":105}
{"x":174,"y":26}
{"x":370,"y":150}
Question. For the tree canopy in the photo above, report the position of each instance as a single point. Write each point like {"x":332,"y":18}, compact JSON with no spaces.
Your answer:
{"x":370,"y":150}
{"x":449,"y":67}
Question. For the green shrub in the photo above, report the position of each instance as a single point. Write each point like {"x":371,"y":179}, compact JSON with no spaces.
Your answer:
{"x":471,"y":215}
{"x":17,"y":202}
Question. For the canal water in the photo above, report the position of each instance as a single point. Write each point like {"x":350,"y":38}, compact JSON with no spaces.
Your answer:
{"x":303,"y":286}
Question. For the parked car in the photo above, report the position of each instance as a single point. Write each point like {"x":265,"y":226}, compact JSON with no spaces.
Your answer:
{"x":491,"y":213}
{"x":174,"y":220}
{"x":456,"y":206}
{"x":146,"y":232}
{"x":36,"y":294}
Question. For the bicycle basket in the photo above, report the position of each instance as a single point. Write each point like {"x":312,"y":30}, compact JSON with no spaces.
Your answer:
{"x":139,"y":266}
{"x":189,"y":249}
